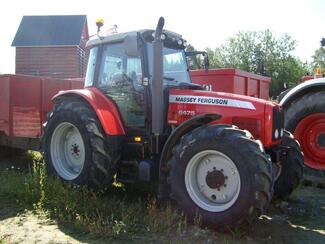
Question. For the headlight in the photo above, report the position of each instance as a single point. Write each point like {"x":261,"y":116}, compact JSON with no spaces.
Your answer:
{"x":277,"y":123}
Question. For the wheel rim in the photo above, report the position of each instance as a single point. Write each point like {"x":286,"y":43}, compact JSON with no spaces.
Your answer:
{"x":67,"y":151}
{"x":212,"y":181}
{"x":310,"y":132}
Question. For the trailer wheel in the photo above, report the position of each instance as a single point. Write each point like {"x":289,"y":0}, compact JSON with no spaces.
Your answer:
{"x":305,"y":118}
{"x":291,"y":168}
{"x":220,"y":174}
{"x":74,"y":146}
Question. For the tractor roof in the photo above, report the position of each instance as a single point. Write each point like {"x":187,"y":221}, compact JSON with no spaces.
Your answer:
{"x":146,"y":34}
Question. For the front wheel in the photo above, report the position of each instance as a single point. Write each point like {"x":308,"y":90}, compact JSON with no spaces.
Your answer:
{"x":291,"y":167}
{"x":220,"y":173}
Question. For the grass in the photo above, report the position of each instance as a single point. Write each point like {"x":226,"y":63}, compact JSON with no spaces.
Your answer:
{"x":121,"y":214}
{"x":114,"y":213}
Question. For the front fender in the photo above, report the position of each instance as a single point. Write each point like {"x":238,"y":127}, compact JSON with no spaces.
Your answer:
{"x":302,"y":89}
{"x":104,"y":108}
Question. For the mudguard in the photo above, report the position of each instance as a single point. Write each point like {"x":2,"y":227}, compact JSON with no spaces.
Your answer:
{"x":302,"y":89}
{"x":104,"y":108}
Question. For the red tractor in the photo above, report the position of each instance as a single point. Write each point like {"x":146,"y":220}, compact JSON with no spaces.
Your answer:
{"x":140,"y":118}
{"x":304,"y":107}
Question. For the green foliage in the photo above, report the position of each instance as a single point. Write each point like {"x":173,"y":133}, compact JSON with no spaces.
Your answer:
{"x":260,"y":52}
{"x":319,"y":59}
{"x":215,"y":58}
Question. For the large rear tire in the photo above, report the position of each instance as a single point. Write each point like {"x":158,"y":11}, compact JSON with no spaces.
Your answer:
{"x":74,"y":146}
{"x":219,"y":173}
{"x":291,"y":168}
{"x":305,"y":118}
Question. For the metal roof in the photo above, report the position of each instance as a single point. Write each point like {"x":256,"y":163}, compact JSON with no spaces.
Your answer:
{"x":118,"y":37}
{"x":146,"y":33}
{"x":53,"y":30}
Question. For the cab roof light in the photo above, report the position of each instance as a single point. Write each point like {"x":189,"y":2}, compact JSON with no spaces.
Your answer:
{"x":99,"y":23}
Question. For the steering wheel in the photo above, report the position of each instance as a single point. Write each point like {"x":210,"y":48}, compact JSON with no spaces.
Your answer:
{"x":120,"y":80}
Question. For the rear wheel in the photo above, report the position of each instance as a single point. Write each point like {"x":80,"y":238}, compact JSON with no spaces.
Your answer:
{"x":67,"y":151}
{"x":219,"y":173}
{"x":305,"y":118}
{"x":291,"y":168}
{"x":74,"y":146}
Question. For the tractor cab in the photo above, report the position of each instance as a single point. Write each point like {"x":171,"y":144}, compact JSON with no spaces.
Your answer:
{"x":122,"y":66}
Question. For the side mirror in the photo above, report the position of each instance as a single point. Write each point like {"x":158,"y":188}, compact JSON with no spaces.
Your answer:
{"x":131,"y":46}
{"x":206,"y":61}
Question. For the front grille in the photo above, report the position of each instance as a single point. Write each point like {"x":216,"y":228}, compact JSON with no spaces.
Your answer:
{"x":277,"y":123}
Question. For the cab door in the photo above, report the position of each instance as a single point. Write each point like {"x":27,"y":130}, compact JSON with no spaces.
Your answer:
{"x":119,"y":77}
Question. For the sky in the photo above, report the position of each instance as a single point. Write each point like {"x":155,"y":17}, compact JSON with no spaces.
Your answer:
{"x":204,"y":23}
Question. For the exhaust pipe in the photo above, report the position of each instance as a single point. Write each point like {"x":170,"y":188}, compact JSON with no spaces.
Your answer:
{"x":157,"y":96}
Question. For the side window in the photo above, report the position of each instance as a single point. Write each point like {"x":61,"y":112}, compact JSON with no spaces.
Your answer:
{"x":134,"y":72}
{"x":120,"y":79}
{"x":91,"y":67}
{"x":110,"y":71}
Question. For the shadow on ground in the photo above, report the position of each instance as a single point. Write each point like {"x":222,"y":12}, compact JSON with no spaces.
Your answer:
{"x":299,"y":220}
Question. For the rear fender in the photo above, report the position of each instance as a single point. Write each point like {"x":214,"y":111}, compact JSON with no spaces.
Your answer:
{"x":104,"y":108}
{"x":302,"y":89}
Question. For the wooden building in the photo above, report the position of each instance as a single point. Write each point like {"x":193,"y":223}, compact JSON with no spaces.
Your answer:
{"x":52,"y":46}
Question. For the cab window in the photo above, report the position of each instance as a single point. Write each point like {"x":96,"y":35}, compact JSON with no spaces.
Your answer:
{"x":91,"y":67}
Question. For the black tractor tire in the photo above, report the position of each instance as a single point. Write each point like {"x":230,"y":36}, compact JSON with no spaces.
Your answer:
{"x":291,"y":168}
{"x":254,"y":168}
{"x":99,"y":164}
{"x":309,"y":104}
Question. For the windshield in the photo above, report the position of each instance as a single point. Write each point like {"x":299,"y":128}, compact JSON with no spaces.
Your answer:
{"x":175,"y":66}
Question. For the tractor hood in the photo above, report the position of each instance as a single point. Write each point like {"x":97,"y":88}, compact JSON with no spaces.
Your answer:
{"x":249,"y":113}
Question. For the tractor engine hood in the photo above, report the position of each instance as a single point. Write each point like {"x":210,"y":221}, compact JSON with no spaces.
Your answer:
{"x":253,"y":114}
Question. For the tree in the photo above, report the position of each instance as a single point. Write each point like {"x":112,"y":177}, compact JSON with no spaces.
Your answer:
{"x":261,"y":53}
{"x":319,"y":59}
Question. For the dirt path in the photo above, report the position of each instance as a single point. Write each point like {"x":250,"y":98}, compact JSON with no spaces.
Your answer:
{"x":28,"y":227}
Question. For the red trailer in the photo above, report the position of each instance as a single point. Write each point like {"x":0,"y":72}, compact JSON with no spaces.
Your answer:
{"x":233,"y":81}
{"x":24,"y":104}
